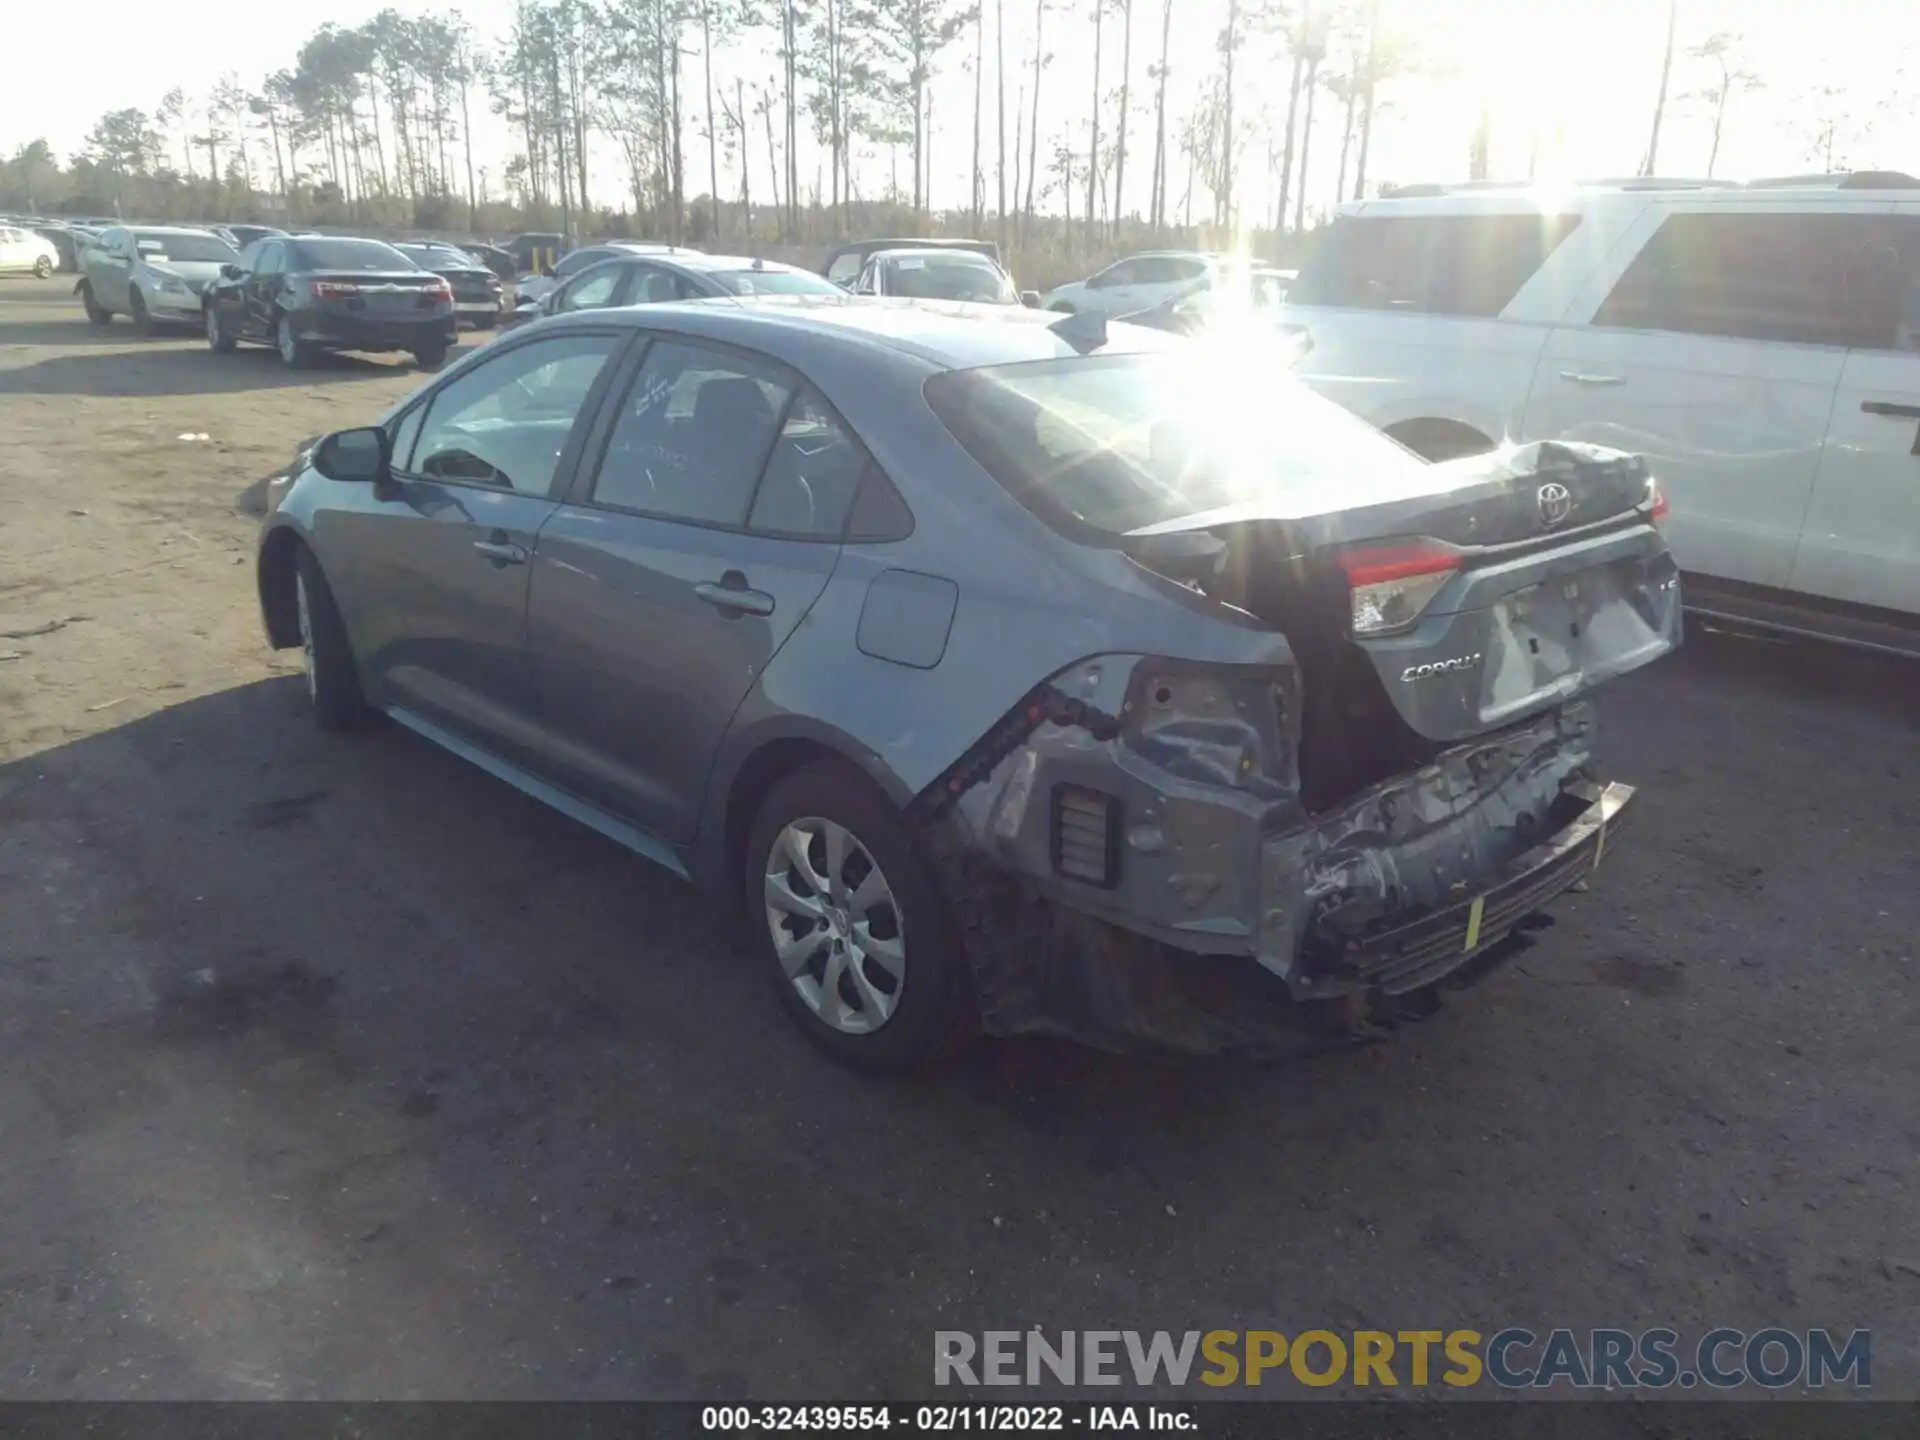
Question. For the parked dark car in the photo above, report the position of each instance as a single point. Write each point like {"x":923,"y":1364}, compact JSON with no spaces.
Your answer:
{"x":845,"y":262}
{"x":1003,"y":672}
{"x":67,"y":241}
{"x":241,"y":236}
{"x":306,"y":294}
{"x":477,"y":292}
{"x":651,"y":279}
{"x":499,"y":261}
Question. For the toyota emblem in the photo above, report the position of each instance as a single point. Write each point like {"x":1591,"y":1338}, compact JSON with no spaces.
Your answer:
{"x":1556,"y":503}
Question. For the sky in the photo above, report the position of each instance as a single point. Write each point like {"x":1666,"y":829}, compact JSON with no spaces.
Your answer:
{"x":1571,"y":82}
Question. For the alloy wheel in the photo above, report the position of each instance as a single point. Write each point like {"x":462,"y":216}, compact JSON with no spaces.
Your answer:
{"x":289,"y":344}
{"x":836,"y":927}
{"x":306,"y":636}
{"x":213,"y":328}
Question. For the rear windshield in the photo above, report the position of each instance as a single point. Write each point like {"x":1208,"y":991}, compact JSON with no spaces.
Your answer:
{"x":1126,"y":442}
{"x":949,"y":277}
{"x":773,"y":282}
{"x":437,"y":255}
{"x":349,"y":255}
{"x":208,"y":248}
{"x":1432,"y":264}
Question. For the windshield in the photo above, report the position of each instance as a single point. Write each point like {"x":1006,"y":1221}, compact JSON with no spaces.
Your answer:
{"x":948,"y":277}
{"x":437,"y":255}
{"x":1126,"y":442}
{"x":349,"y":255}
{"x":774,"y":282}
{"x":208,"y":248}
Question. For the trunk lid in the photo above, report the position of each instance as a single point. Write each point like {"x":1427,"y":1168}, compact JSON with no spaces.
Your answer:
{"x":400,"y":292}
{"x":1536,"y":574}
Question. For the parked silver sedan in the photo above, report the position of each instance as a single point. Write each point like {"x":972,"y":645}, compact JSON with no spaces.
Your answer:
{"x":1009,"y":671}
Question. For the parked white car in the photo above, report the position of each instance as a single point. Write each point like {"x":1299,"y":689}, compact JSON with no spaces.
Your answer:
{"x":1760,"y":344}
{"x":1135,"y":283}
{"x":22,"y":252}
{"x":153,"y":275}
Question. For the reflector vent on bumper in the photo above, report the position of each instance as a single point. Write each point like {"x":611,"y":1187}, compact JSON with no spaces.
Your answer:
{"x":1086,"y":836}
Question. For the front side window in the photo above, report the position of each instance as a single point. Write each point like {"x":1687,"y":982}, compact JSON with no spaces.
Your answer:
{"x":657,"y":287}
{"x":249,"y":258}
{"x":270,"y":261}
{"x":811,"y":476}
{"x":694,"y":434}
{"x":579,"y":260}
{"x":1125,"y":272}
{"x":1429,"y":264}
{"x":506,"y":421}
{"x":592,"y":291}
{"x":845,"y":268}
{"x":1806,"y":279}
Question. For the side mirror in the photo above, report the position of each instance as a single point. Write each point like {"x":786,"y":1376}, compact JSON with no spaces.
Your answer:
{"x":361,"y":455}
{"x":230,"y":271}
{"x":1030,"y":299}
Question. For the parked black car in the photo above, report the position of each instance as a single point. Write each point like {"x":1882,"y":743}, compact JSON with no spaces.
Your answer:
{"x":845,"y":262}
{"x":496,"y":259}
{"x":476,"y":289}
{"x":304,"y":294}
{"x":65,"y":240}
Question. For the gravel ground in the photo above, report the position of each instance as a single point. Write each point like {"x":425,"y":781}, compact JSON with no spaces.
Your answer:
{"x":333,"y":1068}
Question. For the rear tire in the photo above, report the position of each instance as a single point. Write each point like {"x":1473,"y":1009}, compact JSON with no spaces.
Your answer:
{"x":333,"y":683}
{"x":137,"y":311}
{"x":42,"y":268}
{"x":880,"y":982}
{"x":295,"y":353}
{"x":430,"y":357}
{"x":96,"y":313}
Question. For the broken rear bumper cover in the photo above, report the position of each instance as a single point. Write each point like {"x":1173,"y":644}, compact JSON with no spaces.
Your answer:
{"x":1122,"y":852}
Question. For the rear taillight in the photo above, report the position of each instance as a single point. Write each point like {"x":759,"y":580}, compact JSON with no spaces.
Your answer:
{"x":334,"y":289}
{"x":1657,"y":506}
{"x":1392,"y":584}
{"x":439,"y":290}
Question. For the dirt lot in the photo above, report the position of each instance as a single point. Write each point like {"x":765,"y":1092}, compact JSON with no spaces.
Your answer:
{"x":334,"y":1068}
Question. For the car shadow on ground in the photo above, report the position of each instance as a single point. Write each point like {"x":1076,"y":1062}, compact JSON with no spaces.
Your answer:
{"x":157,"y":368}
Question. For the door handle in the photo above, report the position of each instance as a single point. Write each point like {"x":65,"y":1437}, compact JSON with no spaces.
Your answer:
{"x":1895,"y":412}
{"x":1581,"y":377}
{"x":498,"y":548}
{"x":735,"y":598}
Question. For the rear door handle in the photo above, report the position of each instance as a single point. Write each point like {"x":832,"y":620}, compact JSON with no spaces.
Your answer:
{"x":498,"y":548}
{"x":1581,"y":377}
{"x":734,"y":598}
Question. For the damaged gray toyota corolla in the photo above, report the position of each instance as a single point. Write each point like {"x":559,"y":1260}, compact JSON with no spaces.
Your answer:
{"x":1012,"y":673}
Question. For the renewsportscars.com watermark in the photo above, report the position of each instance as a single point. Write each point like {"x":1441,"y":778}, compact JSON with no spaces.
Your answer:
{"x":1515,"y":1358}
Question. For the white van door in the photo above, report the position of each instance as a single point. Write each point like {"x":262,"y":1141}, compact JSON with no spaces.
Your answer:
{"x":1714,"y":347}
{"x":1861,"y":540}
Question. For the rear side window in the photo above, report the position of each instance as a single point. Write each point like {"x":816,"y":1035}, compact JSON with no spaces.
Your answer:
{"x":1429,"y":264}
{"x":1800,"y":279}
{"x":811,"y":476}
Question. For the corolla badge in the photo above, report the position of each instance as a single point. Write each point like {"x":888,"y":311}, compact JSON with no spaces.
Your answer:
{"x":1556,"y":503}
{"x":1439,"y":667}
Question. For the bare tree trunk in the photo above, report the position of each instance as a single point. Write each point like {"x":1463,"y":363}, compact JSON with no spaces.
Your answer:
{"x":1293,"y":113}
{"x":1346,"y":144}
{"x":1660,"y":101}
{"x":1093,"y":123}
{"x":1719,"y":115}
{"x":790,"y":39}
{"x":1223,"y":202}
{"x":466,"y":137}
{"x":746,"y":186}
{"x":773,"y":169}
{"x":713,"y":135}
{"x":979,"y":196}
{"x":1019,"y":138}
{"x":1366,"y":103}
{"x":1033,"y":135}
{"x":1000,"y":129}
{"x":1126,"y":98}
{"x":679,"y":159}
{"x":1306,"y":140}
{"x":1160,"y":123}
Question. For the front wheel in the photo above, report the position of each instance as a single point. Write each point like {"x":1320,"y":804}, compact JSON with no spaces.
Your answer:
{"x":333,"y":683}
{"x":137,"y":310}
{"x":42,"y":268}
{"x":218,"y":340}
{"x":852,"y":926}
{"x":431,"y":357}
{"x":97,"y":314}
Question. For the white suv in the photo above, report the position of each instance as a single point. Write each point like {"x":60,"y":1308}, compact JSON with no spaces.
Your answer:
{"x":1135,"y":283}
{"x":1760,"y":344}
